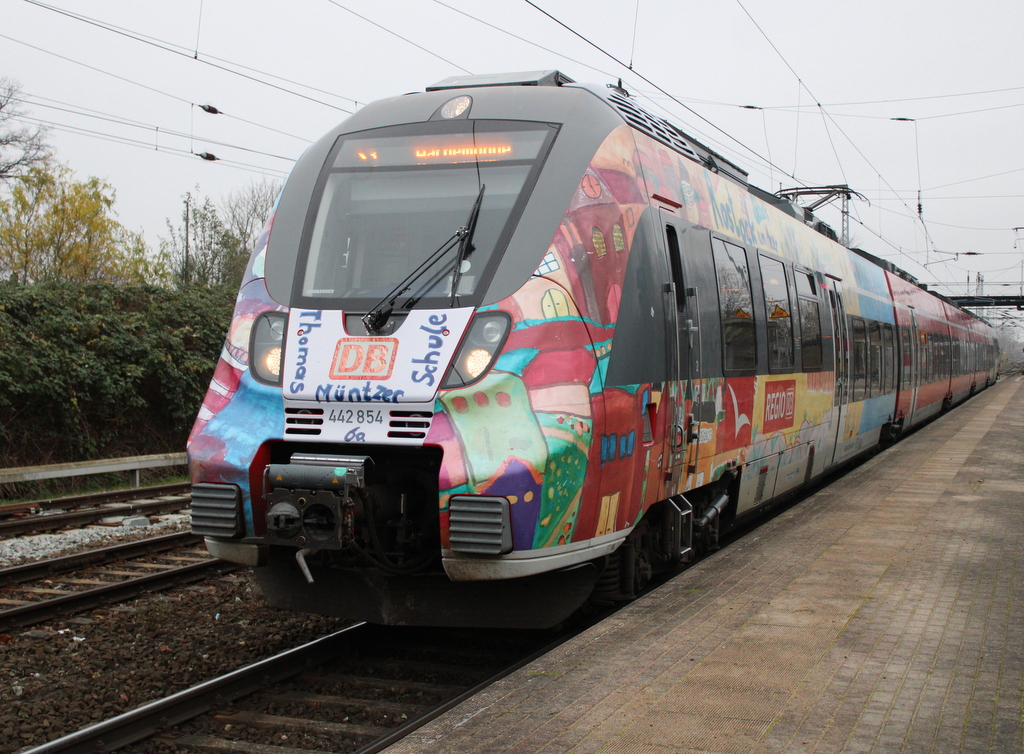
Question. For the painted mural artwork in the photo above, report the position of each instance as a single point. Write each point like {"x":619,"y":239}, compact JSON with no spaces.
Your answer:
{"x":526,"y":431}
{"x":238,"y":414}
{"x":576,"y":458}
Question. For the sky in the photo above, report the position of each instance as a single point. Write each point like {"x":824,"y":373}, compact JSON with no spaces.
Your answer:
{"x":798,"y":93}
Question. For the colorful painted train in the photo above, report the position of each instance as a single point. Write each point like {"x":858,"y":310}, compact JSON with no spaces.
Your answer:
{"x":512,"y":344}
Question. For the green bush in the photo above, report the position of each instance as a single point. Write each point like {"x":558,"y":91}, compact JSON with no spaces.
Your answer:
{"x":101,"y":371}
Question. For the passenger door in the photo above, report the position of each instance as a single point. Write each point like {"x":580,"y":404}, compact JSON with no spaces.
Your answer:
{"x":908,"y":378}
{"x":685,"y":428}
{"x":841,"y":341}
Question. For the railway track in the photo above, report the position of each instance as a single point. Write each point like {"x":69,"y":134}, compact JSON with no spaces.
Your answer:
{"x":81,"y":510}
{"x":360,"y":689}
{"x":43,"y":590}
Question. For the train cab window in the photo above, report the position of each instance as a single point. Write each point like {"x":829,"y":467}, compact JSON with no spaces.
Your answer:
{"x":888,"y":360}
{"x":736,"y":304}
{"x":860,"y":359}
{"x":389,"y":198}
{"x":778,"y":312}
{"x":874,"y":359}
{"x":810,"y":321}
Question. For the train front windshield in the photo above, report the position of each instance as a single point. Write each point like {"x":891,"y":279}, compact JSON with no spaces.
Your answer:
{"x":391,"y":197}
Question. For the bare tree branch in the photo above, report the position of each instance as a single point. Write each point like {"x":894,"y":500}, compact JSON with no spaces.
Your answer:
{"x":21,"y":147}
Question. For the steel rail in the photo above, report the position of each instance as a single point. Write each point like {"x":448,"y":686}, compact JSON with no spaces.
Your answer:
{"x":16,"y":526}
{"x":161,"y":714}
{"x":94,"y":498}
{"x":37,"y":569}
{"x":397,"y":734}
{"x":36,"y":612}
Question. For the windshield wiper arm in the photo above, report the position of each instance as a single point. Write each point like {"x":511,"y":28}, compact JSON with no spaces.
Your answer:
{"x":378,"y":316}
{"x":466,"y":246}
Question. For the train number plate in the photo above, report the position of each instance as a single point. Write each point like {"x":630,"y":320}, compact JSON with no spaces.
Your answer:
{"x":356,"y":416}
{"x":354,"y":423}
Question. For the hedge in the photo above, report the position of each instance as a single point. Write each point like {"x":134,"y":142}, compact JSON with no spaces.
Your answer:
{"x":100,"y":371}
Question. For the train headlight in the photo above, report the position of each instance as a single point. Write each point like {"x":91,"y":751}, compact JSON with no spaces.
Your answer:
{"x":476,"y":362}
{"x":484,"y":340}
{"x":266,"y":348}
{"x":456,"y":106}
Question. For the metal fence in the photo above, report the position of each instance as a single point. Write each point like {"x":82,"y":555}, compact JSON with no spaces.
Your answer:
{"x":132,"y":465}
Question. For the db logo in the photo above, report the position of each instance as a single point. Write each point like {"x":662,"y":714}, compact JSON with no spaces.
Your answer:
{"x":359,"y":358}
{"x":779,"y":403}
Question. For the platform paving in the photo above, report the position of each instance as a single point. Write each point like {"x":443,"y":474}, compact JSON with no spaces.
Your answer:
{"x":885,"y":613}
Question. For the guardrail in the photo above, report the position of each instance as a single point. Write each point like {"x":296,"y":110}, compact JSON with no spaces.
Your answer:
{"x":132,"y":464}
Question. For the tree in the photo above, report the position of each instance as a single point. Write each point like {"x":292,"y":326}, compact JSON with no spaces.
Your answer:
{"x":212,"y":246}
{"x":200,"y":249}
{"x":21,"y":148}
{"x":247,"y":209}
{"x":56,"y":229}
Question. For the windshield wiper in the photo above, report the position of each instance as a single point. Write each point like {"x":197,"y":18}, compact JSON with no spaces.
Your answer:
{"x":466,"y":246}
{"x":375,"y":319}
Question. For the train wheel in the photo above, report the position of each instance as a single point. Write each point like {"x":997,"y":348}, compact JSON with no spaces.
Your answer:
{"x":636,"y":561}
{"x":627,"y":570}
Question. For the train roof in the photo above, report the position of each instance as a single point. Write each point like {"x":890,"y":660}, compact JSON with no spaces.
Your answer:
{"x":670,"y":135}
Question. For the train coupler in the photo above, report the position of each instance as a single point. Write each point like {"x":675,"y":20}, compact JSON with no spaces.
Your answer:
{"x":311,"y":501}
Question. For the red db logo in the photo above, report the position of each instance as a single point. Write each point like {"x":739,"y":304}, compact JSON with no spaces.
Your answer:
{"x":779,"y":402}
{"x":359,"y":358}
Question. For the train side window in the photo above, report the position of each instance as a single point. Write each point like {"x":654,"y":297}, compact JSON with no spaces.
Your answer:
{"x":874,"y":359}
{"x":809,"y":312}
{"x":860,"y":360}
{"x":778,"y":313}
{"x":805,"y":285}
{"x":736,"y":304}
{"x":676,"y":262}
{"x":810,"y":333}
{"x":888,"y":360}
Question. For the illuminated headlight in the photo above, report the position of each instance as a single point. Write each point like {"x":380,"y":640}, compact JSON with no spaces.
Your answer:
{"x":476,"y":362}
{"x":484,"y":340}
{"x":455,"y":107}
{"x":266,"y":349}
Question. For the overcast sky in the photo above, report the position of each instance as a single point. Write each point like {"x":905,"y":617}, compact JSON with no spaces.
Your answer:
{"x":284,"y":72}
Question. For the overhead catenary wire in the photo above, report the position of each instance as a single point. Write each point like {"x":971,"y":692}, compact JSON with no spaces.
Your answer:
{"x":173,"y":151}
{"x":826,"y":114}
{"x":399,"y":36}
{"x":89,"y":113}
{"x":710,"y":139}
{"x":508,"y":33}
{"x":675,"y":99}
{"x":152,"y":89}
{"x":176,"y":50}
{"x":151,"y":127}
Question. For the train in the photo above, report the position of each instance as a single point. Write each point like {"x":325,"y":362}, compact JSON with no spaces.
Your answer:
{"x":512,"y":345}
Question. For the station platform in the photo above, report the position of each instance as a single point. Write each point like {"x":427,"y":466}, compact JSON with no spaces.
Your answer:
{"x":884,"y":613}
